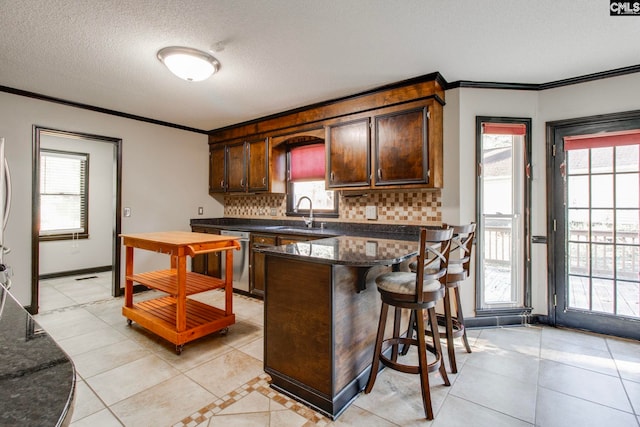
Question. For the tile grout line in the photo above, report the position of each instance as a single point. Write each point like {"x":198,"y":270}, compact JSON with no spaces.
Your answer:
{"x":624,"y":387}
{"x":259,"y":384}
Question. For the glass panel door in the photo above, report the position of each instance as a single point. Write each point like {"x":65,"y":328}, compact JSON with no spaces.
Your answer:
{"x":502,"y":223}
{"x":595,"y":206}
{"x":602,"y":228}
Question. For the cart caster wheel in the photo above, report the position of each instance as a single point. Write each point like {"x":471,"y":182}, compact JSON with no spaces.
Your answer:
{"x":179,"y":349}
{"x":129,"y":322}
{"x":224,"y":331}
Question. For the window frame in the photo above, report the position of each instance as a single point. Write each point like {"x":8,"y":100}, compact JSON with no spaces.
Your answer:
{"x":66,"y":234}
{"x":304,"y":210}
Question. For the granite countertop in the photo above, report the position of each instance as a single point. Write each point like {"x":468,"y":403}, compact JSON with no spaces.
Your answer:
{"x":37,"y":379}
{"x":332,"y":229}
{"x":348,"y":250}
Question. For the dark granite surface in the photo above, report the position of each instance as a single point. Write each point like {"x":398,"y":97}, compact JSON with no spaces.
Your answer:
{"x":381,"y":231}
{"x":37,"y":379}
{"x":348,"y":250}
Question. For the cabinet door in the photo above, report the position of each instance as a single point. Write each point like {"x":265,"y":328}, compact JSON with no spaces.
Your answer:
{"x":349,"y":164}
{"x":258,"y":165}
{"x":217,"y":182}
{"x":236,"y":168}
{"x":401,"y":147}
{"x":208,"y":264}
{"x":256,"y":263}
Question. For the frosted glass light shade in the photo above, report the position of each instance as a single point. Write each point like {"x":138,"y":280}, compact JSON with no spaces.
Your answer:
{"x":189,"y":64}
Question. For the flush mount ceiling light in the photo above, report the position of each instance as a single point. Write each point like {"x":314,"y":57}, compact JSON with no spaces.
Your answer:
{"x":189,"y":64}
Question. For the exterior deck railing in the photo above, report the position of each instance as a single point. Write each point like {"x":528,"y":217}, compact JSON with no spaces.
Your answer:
{"x":600,"y":262}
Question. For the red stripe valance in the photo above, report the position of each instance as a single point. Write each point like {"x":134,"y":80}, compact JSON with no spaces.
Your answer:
{"x":307,"y":162}
{"x":600,"y":140}
{"x":504,"y":128}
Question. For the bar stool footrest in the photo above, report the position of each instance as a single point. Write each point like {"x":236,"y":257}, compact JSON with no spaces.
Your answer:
{"x":408,"y":369}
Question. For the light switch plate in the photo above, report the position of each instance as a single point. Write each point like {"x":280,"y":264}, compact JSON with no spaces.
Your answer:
{"x":127,"y":212}
{"x":371,"y":249}
{"x":371,"y":212}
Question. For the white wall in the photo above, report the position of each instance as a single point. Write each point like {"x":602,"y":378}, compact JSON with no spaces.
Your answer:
{"x":164,"y":178}
{"x":68,"y":255}
{"x":605,"y":96}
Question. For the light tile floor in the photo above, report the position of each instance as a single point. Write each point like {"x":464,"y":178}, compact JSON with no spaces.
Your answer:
{"x":519,"y":376}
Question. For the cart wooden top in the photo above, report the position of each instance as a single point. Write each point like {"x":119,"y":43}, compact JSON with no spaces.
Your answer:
{"x":174,"y":240}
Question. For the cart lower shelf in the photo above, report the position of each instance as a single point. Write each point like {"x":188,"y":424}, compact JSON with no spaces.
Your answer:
{"x":159,"y":316}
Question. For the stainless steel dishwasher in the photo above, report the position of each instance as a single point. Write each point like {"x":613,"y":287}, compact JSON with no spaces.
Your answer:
{"x":240,"y":260}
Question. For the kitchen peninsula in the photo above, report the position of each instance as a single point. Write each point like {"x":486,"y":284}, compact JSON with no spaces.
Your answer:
{"x":37,"y":378}
{"x":321,"y":314}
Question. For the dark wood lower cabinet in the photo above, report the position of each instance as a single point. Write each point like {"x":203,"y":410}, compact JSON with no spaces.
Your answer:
{"x":256,"y":262}
{"x":208,"y":264}
{"x":319,"y":331}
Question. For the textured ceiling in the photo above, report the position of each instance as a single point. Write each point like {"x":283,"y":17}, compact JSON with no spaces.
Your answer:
{"x":282,"y":54}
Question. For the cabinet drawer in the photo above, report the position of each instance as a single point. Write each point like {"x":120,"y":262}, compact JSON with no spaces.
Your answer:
{"x":263,"y":240}
{"x":285,"y":240}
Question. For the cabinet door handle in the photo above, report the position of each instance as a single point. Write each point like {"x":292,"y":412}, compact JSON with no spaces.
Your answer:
{"x":379,"y":174}
{"x":222,"y":184}
{"x":332,"y":176}
{"x":242,"y":182}
{"x":264,"y":180}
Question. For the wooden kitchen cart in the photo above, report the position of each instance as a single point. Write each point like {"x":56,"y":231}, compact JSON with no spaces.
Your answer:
{"x":175,"y":317}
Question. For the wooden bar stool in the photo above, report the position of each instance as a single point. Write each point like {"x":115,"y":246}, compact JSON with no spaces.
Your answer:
{"x":458,"y":271}
{"x":417,"y":292}
{"x":459,"y":262}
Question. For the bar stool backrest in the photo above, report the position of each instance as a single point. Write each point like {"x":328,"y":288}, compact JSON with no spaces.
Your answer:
{"x":461,"y":245}
{"x":433,"y":257}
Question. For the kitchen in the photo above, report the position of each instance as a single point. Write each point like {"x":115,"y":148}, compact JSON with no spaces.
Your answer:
{"x":147,"y":187}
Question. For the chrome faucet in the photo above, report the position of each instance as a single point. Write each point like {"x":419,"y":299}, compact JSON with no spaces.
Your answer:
{"x":308,"y":221}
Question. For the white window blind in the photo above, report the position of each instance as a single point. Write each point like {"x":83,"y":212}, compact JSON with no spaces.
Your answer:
{"x":63,"y":193}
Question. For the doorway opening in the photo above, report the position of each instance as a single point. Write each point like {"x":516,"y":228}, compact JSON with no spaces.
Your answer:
{"x":76,"y":217}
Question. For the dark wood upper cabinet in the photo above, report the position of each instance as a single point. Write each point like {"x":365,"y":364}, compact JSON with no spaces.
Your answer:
{"x":258,"y":165}
{"x":236,"y":168}
{"x":402,"y":147}
{"x":348,"y":154}
{"x":382,"y":138}
{"x":217,"y":171}
{"x":395,"y":152}
{"x":239,"y":167}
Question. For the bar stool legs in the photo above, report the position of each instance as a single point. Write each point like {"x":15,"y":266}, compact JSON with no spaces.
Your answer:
{"x":423,"y":368}
{"x":417,"y":292}
{"x":460,"y":320}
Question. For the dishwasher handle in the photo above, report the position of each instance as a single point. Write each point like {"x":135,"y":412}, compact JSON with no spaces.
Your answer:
{"x":243,"y":236}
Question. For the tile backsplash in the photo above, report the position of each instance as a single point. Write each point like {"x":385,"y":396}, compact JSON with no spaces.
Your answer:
{"x":398,"y":207}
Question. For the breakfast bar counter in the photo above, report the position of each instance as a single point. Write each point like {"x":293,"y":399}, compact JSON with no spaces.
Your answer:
{"x":37,"y":378}
{"x":321,"y":313}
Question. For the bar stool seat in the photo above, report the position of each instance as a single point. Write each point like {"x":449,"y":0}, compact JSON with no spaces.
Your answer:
{"x":417,"y":292}
{"x":402,"y":282}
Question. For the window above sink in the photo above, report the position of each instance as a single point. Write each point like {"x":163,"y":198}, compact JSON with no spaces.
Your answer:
{"x":306,"y":177}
